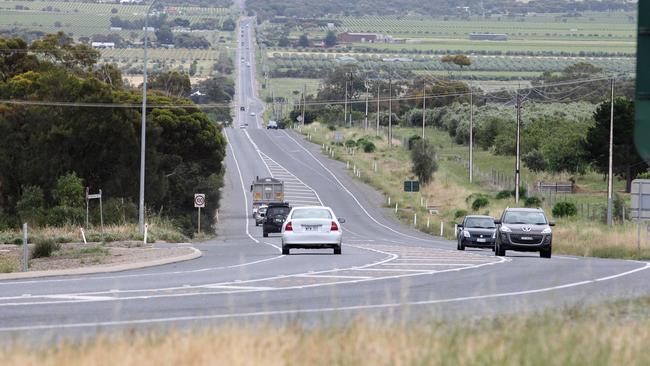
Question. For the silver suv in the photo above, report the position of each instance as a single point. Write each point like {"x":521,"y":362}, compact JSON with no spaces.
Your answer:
{"x":524,"y":230}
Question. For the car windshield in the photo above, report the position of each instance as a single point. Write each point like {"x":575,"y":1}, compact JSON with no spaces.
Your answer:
{"x":311,"y":213}
{"x":480,"y":222}
{"x":523,"y":217}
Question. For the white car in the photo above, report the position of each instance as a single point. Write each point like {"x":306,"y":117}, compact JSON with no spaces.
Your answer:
{"x":252,"y":114}
{"x":312,"y":227}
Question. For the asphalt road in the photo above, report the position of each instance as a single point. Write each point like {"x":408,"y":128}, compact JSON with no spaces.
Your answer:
{"x":387,"y":270}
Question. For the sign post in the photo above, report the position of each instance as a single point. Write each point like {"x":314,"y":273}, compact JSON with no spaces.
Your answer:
{"x":101,"y":208}
{"x":640,"y":205}
{"x":199,"y":202}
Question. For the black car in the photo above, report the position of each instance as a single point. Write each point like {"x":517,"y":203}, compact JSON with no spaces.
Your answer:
{"x":476,"y":231}
{"x":524,"y":230}
{"x":276,"y":213}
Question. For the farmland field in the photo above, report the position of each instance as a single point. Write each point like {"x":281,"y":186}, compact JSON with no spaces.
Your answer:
{"x":287,"y":87}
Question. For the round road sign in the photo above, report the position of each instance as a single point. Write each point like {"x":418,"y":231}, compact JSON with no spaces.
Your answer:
{"x":199,"y":200}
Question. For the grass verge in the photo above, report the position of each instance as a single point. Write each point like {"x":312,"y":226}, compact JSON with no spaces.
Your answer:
{"x":387,"y":168}
{"x":615,"y":334}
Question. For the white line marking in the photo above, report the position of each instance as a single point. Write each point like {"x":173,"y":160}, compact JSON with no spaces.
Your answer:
{"x":79,"y":297}
{"x":315,"y":310}
{"x":230,"y":287}
{"x":334,"y":276}
{"x":426,"y":264}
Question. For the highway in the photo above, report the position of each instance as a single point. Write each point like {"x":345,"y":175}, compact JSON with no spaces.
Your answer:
{"x":387,"y":269}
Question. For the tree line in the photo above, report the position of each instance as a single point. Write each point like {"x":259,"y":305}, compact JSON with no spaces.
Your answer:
{"x":48,"y":136}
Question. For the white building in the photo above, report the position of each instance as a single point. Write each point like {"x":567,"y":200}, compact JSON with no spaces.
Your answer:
{"x":110,"y":45}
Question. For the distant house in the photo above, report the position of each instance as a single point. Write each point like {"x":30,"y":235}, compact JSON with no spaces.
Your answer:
{"x":181,"y":30}
{"x":117,"y":29}
{"x":131,"y":1}
{"x":358,"y":37}
{"x":488,"y":37}
{"x":397,"y":59}
{"x":103,"y":45}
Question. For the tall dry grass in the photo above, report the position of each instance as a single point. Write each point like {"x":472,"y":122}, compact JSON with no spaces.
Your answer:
{"x":607,"y":336}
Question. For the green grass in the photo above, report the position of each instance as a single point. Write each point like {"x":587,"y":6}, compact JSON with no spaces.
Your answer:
{"x":287,"y":87}
{"x":95,"y":251}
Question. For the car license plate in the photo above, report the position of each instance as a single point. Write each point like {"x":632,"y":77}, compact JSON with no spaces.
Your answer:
{"x":480,"y":240}
{"x":311,"y":227}
{"x":526,"y":238}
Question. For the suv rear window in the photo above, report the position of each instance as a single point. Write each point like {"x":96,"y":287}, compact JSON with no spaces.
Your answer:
{"x":282,"y":210}
{"x":524,"y":217}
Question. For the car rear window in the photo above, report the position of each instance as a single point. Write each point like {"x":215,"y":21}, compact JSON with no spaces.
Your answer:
{"x":311,"y":213}
{"x":271,"y":211}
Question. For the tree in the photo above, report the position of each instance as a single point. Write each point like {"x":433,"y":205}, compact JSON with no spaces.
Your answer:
{"x":534,"y":160}
{"x":173,"y":83}
{"x":283,"y":41}
{"x":330,"y":39}
{"x":113,"y":11}
{"x":423,"y":158}
{"x":228,"y":25}
{"x":164,"y":35}
{"x":30,"y":205}
{"x":627,"y":162}
{"x":303,"y":41}
{"x":69,"y":191}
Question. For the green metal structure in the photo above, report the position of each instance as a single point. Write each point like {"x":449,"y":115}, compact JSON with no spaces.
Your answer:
{"x":642,"y":105}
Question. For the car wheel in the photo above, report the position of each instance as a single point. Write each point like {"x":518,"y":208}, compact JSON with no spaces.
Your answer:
{"x":285,"y":250}
{"x":545,"y":253}
{"x":461,"y":245}
{"x":499,"y":251}
{"x":337,"y":250}
{"x":265,"y":234}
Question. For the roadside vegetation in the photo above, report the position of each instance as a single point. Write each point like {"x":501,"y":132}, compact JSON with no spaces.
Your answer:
{"x":451,"y":196}
{"x":99,"y":148}
{"x":612,"y":334}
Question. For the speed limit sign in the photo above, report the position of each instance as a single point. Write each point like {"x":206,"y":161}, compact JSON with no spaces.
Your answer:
{"x":199,"y":200}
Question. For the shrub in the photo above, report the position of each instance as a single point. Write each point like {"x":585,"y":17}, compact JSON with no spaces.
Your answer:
{"x":479,"y":202}
{"x":423,"y":158}
{"x":350,"y":143}
{"x":532,"y":202}
{"x":535,"y":161}
{"x":412,"y":140}
{"x":564,"y":209}
{"x":30,"y":205}
{"x":504,"y":194}
{"x":44,"y":248}
{"x":460,"y":213}
{"x":331,"y":128}
{"x":65,"y":215}
{"x":369,"y":147}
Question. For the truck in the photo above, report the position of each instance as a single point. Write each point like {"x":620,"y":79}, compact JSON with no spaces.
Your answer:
{"x":266,"y":190}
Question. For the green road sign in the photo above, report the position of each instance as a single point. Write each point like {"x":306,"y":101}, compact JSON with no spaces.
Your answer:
{"x":411,"y":186}
{"x":642,"y":105}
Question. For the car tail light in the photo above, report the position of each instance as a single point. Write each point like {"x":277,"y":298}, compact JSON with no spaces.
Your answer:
{"x":288,"y":227}
{"x":334,"y":227}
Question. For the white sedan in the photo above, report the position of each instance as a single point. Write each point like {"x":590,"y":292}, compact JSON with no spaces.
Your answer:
{"x":312,"y":227}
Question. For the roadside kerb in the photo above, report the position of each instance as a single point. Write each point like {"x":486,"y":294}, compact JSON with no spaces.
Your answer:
{"x":102,"y":269}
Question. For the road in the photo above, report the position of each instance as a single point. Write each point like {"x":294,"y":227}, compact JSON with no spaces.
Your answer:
{"x":387,"y":270}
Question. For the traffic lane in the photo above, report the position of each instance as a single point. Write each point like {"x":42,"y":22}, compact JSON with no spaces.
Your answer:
{"x":291,"y":153}
{"x":414,"y":295}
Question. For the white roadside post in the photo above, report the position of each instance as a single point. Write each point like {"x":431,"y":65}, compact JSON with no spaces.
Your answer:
{"x":25,"y":249}
{"x":146,"y":233}
{"x":442,"y":228}
{"x":199,"y":202}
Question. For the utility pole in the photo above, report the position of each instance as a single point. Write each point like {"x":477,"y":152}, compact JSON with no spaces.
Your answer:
{"x":610,"y":180}
{"x":304,"y":91}
{"x":390,"y":112}
{"x":365,"y":123}
{"x":471,"y":136}
{"x":517,"y":163}
{"x":377,"y":134}
{"x":351,"y":94}
{"x":424,"y":107}
{"x":345,"y":106}
{"x":275,"y":115}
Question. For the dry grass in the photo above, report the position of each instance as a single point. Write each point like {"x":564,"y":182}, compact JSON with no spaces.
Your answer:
{"x":612,"y":335}
{"x":577,"y":237}
{"x":159,"y":229}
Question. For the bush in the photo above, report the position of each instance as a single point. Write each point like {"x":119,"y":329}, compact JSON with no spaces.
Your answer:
{"x":369,"y":147}
{"x":504,"y":194}
{"x":423,"y":158}
{"x":535,"y":161}
{"x":412,"y":140}
{"x":69,"y":191}
{"x":64,"y":215}
{"x":480,"y":202}
{"x":564,"y":209}
{"x":350,"y":143}
{"x":30,"y":205}
{"x":532,"y":201}
{"x":44,"y":248}
{"x":460,"y":213}
{"x":331,"y":128}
